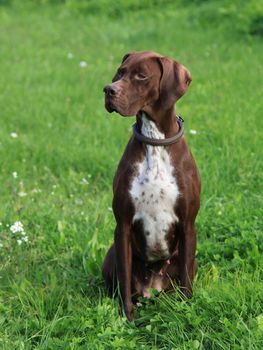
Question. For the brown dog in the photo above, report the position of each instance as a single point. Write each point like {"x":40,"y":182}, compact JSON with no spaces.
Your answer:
{"x":156,"y":186}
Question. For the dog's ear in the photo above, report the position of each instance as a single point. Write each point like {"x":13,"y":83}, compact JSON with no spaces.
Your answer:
{"x":175,"y":81}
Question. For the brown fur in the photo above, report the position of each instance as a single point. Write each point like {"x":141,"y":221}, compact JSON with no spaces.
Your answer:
{"x":150,"y":83}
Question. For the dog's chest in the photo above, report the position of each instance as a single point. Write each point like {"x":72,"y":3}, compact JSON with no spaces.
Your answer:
{"x":154,"y":192}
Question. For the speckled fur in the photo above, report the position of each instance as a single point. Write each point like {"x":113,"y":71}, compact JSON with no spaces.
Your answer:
{"x":154,"y":192}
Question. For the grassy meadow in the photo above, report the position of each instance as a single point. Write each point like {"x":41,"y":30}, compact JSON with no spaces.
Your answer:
{"x":59,"y":149}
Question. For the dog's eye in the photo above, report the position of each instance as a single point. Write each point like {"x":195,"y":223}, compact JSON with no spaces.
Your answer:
{"x":140,"y":76}
{"x":120,"y":72}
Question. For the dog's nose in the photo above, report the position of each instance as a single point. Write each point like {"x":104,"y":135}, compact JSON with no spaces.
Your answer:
{"x":110,"y":90}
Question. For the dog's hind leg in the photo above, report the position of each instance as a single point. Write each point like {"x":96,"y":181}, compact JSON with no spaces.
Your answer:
{"x":109,"y":271}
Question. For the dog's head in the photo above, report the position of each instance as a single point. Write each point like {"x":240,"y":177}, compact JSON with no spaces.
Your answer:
{"x":146,"y":82}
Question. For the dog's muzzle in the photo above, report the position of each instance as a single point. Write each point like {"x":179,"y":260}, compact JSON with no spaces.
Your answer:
{"x":110,"y":92}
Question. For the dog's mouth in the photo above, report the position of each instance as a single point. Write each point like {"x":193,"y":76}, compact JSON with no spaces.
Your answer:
{"x":117,"y":105}
{"x":110,"y":106}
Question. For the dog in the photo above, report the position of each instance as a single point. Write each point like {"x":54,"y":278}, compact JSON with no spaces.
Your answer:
{"x":156,"y":186}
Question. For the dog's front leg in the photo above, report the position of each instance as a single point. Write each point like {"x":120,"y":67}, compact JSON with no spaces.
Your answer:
{"x":124,"y":266}
{"x":187,"y":264}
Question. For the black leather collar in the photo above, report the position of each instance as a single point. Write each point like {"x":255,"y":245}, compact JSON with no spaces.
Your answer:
{"x":160,"y":142}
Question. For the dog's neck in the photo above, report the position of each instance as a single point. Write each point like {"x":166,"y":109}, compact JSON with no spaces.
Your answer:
{"x":167,"y":125}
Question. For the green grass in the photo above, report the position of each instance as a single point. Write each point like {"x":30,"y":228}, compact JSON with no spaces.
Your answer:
{"x":51,"y":290}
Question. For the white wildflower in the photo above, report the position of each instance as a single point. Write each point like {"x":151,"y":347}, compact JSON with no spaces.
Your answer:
{"x":25,"y":239}
{"x":14,"y":173}
{"x":36,"y":190}
{"x":83,"y":64}
{"x":14,"y":135}
{"x":13,"y":229}
{"x":192,"y":131}
{"x":19,"y":242}
{"x":17,"y":227}
{"x":84,"y":181}
{"x":22,"y":194}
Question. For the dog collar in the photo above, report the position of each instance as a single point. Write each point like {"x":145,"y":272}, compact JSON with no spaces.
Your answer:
{"x":160,"y":142}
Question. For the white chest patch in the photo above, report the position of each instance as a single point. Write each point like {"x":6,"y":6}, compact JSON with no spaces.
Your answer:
{"x":154,"y":192}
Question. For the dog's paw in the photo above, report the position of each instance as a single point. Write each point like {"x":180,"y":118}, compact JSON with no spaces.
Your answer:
{"x":186,"y":293}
